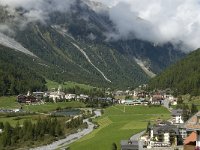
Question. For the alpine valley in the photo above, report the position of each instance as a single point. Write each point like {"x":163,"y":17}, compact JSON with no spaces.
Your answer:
{"x":75,"y":45}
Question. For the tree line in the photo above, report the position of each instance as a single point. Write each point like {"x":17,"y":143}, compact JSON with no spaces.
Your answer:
{"x":15,"y":76}
{"x":29,"y":132}
{"x":183,"y":77}
{"x":187,"y":111}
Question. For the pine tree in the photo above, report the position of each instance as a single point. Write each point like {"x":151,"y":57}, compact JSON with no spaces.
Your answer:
{"x":1,"y":125}
{"x":186,"y":112}
{"x":6,"y":135}
{"x":194,"y":109}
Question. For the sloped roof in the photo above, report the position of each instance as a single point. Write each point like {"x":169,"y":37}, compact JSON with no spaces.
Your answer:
{"x":165,"y":128}
{"x":192,"y":123}
{"x":177,"y":112}
{"x":191,"y":138}
{"x":129,"y":145}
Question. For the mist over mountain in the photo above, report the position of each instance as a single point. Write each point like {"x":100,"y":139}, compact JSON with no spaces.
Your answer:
{"x":81,"y":42}
{"x":158,"y":21}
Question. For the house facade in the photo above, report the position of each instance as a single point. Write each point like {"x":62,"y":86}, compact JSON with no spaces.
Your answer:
{"x":177,"y":116}
{"x":56,"y":96}
{"x":70,"y":96}
{"x":164,"y":135}
{"x":26,"y":99}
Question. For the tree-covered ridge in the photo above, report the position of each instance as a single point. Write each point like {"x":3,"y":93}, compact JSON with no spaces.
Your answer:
{"x":183,"y":77}
{"x":15,"y":75}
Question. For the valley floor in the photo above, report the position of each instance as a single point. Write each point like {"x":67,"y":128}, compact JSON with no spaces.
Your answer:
{"x":115,"y":125}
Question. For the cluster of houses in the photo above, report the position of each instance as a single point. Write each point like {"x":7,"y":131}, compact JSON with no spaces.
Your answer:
{"x":55,"y":96}
{"x":168,"y":134}
{"x":141,"y":97}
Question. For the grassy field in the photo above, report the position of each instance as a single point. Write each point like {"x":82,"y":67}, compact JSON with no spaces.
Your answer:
{"x":9,"y":102}
{"x":13,"y":120}
{"x":52,"y":84}
{"x":44,"y":108}
{"x":116,"y":125}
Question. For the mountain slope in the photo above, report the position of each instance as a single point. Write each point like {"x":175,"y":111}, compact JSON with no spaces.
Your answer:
{"x":75,"y":47}
{"x":64,"y":52}
{"x":183,"y":76}
{"x":15,"y":75}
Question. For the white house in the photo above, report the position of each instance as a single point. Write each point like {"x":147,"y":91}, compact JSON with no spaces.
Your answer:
{"x":163,"y":135}
{"x":84,"y":97}
{"x":177,"y":117}
{"x":56,"y":96}
{"x":70,"y":96}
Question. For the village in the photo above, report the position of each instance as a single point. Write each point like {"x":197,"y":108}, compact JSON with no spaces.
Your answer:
{"x":175,"y":133}
{"x":181,"y":131}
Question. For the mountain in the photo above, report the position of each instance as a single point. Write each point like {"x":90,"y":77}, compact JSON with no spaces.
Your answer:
{"x":16,"y":76}
{"x":74,"y":46}
{"x":183,"y":76}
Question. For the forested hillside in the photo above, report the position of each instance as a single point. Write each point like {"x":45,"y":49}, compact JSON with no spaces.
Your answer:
{"x":183,"y":77}
{"x":15,"y":75}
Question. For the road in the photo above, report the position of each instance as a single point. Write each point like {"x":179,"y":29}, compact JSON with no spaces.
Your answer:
{"x":166,"y":103}
{"x":136,"y":137}
{"x":70,"y":138}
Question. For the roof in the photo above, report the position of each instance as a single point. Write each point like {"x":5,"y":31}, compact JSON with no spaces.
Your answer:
{"x":57,"y":93}
{"x":193,"y":124}
{"x":191,"y":138}
{"x":177,"y":112}
{"x":129,"y":145}
{"x":165,"y":129}
{"x":157,"y":97}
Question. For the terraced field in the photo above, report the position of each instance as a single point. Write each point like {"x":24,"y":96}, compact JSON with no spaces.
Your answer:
{"x":116,"y":125}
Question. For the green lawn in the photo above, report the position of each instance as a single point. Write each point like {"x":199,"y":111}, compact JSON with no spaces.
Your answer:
{"x":52,"y":84}
{"x":13,"y":120}
{"x":9,"y":102}
{"x":116,"y":125}
{"x":44,"y":108}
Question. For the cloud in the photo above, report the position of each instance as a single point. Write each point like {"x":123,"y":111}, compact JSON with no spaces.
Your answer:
{"x":158,"y":21}
{"x":37,"y":10}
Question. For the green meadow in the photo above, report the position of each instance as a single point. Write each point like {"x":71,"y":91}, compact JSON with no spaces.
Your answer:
{"x":9,"y":102}
{"x":69,"y":84}
{"x":116,"y":125}
{"x":48,"y":107}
